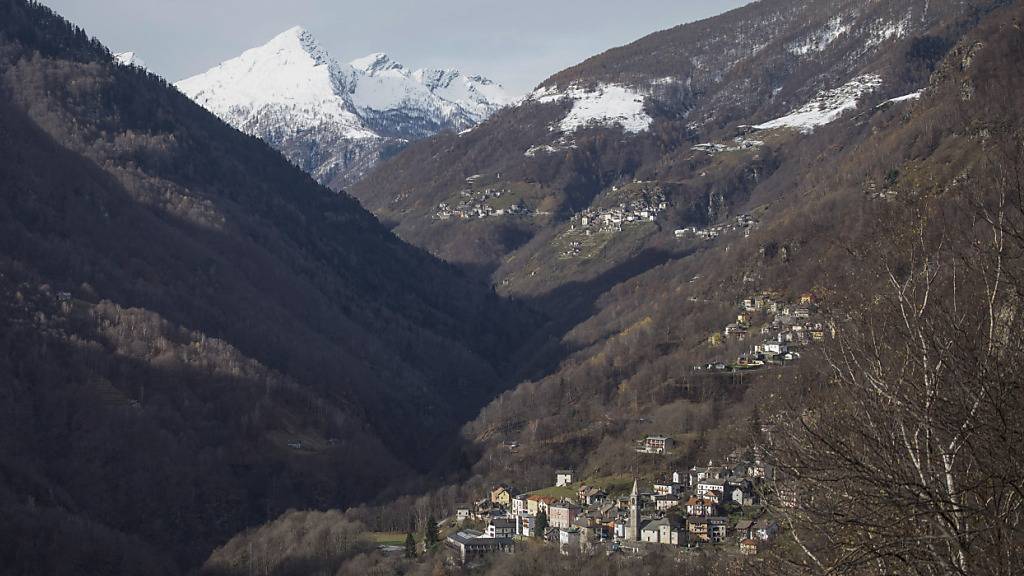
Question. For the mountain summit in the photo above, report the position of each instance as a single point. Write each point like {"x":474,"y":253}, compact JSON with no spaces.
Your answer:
{"x":336,"y":120}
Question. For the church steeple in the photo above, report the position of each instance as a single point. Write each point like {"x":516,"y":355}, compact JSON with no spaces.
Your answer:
{"x":633,"y":529}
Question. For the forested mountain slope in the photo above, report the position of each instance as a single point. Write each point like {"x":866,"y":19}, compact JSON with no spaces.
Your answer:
{"x":636,"y":330}
{"x":905,"y":223}
{"x":625,"y":127}
{"x":636,"y":169}
{"x":196,"y":336}
{"x":626,"y":176}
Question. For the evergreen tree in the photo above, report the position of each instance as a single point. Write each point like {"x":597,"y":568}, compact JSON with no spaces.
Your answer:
{"x":542,"y":524}
{"x":410,"y":546}
{"x":430,"y":533}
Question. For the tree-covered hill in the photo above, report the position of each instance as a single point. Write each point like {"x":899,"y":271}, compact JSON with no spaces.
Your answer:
{"x":196,"y":335}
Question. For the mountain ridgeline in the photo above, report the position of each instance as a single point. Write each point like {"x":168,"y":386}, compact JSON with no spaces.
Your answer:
{"x":336,"y":120}
{"x":195,"y":335}
{"x":633,"y":113}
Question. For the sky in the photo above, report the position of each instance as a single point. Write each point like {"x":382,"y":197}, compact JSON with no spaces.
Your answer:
{"x":517,"y":43}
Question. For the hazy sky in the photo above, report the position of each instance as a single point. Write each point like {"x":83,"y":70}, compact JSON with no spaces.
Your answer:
{"x":516,"y":42}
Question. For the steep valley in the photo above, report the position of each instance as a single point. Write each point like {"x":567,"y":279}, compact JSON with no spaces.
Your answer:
{"x":212,"y":363}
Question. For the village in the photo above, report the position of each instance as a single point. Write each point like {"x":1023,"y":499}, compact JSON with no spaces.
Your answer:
{"x":743,"y":222}
{"x":739,"y":143}
{"x":642,"y":205}
{"x":713,"y":505}
{"x":478,"y":204}
{"x":784,"y":329}
{"x":629,"y":205}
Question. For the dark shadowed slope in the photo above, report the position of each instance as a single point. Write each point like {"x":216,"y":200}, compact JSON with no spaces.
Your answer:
{"x":197,"y":336}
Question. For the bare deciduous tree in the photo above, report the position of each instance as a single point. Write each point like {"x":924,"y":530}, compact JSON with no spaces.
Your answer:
{"x":909,"y":459}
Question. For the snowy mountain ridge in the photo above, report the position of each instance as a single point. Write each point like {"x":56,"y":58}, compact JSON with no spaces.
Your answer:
{"x":336,"y":119}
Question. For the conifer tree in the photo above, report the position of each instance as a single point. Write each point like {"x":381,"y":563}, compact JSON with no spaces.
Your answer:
{"x":430,"y":533}
{"x":410,"y":546}
{"x":542,"y":524}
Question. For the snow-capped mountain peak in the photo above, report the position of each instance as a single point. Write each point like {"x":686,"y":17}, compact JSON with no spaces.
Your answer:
{"x":290,"y":77}
{"x":299,"y":38}
{"x":294,"y":95}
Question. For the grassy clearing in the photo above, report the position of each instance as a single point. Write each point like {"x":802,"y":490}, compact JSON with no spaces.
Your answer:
{"x":613,"y":485}
{"x":388,"y":538}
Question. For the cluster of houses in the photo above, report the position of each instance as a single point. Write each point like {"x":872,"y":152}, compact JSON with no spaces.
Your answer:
{"x":574,"y":249}
{"x":710,"y":505}
{"x":743,"y":222}
{"x":643,"y":206}
{"x":475,"y":204}
{"x":739,"y":143}
{"x":788,"y":327}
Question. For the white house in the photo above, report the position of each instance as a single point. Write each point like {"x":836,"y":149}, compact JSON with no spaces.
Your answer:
{"x":657,"y":444}
{"x":526,"y":525}
{"x":501,"y":528}
{"x":463,"y":512}
{"x":662,"y":531}
{"x":569,"y":540}
{"x":765,"y":530}
{"x":737,"y":495}
{"x":708,"y":485}
{"x":673,"y":486}
{"x":563,"y":477}
{"x":519,"y":504}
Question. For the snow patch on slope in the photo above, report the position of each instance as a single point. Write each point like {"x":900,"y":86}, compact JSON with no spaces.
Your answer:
{"x":905,"y":98}
{"x":827,"y":106}
{"x":563,"y":144}
{"x":882,"y":31}
{"x":129,"y":59}
{"x":604,"y":105}
{"x":820,"y":40}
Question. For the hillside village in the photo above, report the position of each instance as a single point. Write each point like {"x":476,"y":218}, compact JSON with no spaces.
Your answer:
{"x":743,"y":222}
{"x":478,"y":205}
{"x":721,"y":506}
{"x":620,"y":209}
{"x":637,"y":202}
{"x":779,"y":330}
{"x":715,"y":505}
{"x":484,"y":198}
